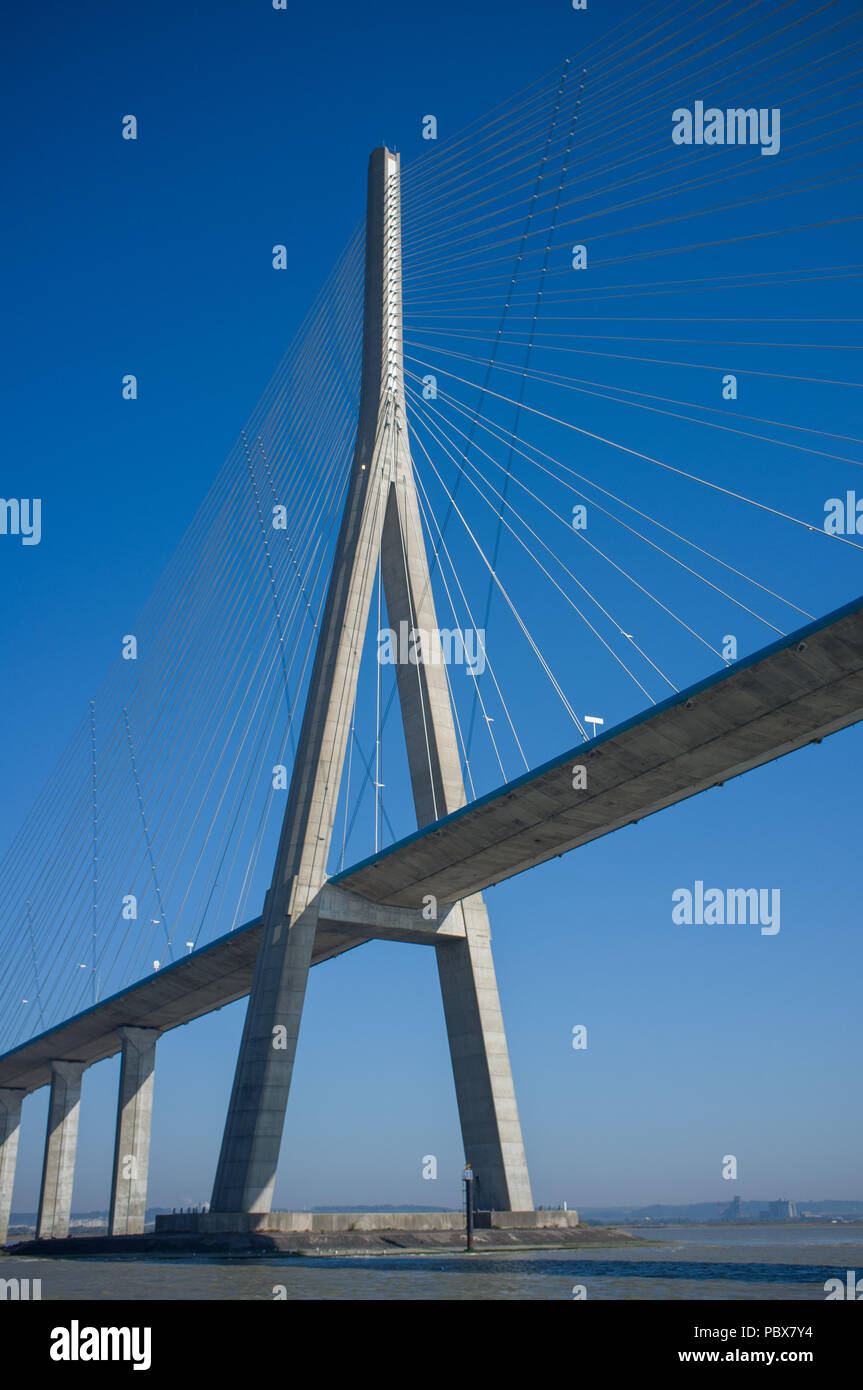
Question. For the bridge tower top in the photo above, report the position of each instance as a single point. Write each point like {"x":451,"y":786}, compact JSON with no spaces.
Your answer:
{"x":382,"y":397}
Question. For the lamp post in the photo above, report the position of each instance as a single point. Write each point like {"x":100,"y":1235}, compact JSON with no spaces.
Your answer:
{"x":468,"y":1205}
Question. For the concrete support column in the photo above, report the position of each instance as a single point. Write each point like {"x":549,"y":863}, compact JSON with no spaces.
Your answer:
{"x":10,"y":1125}
{"x":250,"y":1148}
{"x":487,"y":1108}
{"x":484,"y":1089}
{"x":58,"y":1170}
{"x":132,"y":1144}
{"x":253,"y":1131}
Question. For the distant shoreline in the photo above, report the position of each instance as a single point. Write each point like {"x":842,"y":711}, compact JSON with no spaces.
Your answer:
{"x":95,"y":1228}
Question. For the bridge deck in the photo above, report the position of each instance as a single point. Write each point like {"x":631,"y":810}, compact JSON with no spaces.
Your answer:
{"x":801,"y":689}
{"x":199,"y":983}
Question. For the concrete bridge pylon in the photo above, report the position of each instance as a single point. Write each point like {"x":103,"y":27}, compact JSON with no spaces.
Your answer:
{"x":381,"y":524}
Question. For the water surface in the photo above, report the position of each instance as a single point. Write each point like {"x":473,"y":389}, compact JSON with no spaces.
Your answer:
{"x":690,"y":1263}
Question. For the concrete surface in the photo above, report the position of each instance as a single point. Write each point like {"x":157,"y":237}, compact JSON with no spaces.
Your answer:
{"x":10,"y":1128}
{"x":215,"y":1222}
{"x":132,"y":1143}
{"x":58,"y":1168}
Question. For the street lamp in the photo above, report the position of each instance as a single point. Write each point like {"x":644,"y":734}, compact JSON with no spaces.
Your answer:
{"x":468,"y":1204}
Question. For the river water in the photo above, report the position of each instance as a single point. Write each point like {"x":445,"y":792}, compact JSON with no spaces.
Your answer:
{"x":687,"y":1263}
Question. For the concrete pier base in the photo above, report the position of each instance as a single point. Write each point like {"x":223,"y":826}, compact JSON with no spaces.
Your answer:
{"x":132,"y":1144}
{"x":223,"y":1223}
{"x":58,"y":1170}
{"x":10,"y":1124}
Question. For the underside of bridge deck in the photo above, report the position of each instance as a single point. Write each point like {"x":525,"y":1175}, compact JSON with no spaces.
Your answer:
{"x":798,"y":691}
{"x":208,"y":979}
{"x":787,"y":695}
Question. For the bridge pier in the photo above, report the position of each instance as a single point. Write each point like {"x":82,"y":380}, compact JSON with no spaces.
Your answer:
{"x":61,"y":1142}
{"x":132,"y":1143}
{"x":10,"y":1125}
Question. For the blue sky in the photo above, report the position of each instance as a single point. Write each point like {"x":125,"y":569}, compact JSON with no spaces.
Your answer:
{"x":154,"y":257}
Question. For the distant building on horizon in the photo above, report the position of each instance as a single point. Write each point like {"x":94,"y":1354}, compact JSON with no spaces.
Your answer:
{"x":780,"y":1211}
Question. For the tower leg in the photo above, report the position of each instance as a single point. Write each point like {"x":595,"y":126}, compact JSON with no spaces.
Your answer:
{"x":10,"y":1125}
{"x":487,"y":1109}
{"x":253,"y":1132}
{"x":250,"y":1146}
{"x":132,"y":1143}
{"x":61,"y":1142}
{"x":490,"y":1126}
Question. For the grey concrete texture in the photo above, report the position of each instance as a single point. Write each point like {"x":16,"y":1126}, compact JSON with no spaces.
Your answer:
{"x":253,"y":1131}
{"x":209,"y":979}
{"x":58,"y":1169}
{"x":10,"y":1128}
{"x":203,"y":1223}
{"x":127,"y":1212}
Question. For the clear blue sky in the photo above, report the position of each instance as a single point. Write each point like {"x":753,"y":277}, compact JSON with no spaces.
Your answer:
{"x":154,"y":258}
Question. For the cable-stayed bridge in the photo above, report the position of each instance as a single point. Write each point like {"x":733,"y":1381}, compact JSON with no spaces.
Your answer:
{"x":480,"y":516}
